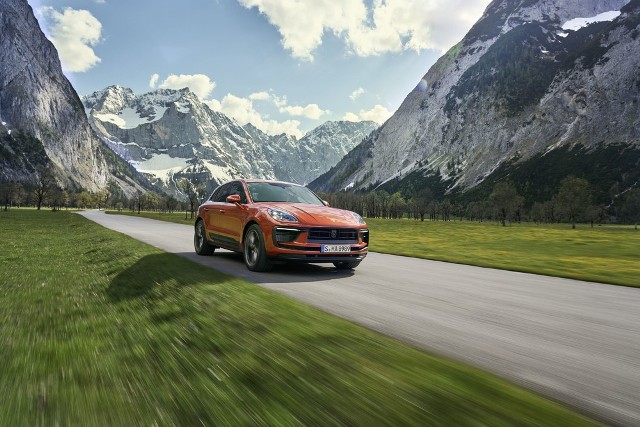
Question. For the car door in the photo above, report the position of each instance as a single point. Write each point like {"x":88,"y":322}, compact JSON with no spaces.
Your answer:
{"x":231,"y":216}
{"x":212,"y":212}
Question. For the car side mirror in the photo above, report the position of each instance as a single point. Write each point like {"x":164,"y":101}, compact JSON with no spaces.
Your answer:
{"x":324,"y":202}
{"x":234,"y":198}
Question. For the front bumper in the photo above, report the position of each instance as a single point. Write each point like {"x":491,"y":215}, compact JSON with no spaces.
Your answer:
{"x":319,"y":258}
{"x":303,"y":244}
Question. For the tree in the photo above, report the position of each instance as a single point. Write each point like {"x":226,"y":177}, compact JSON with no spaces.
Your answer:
{"x":596,"y":214}
{"x":192,"y":189}
{"x":43,"y":183}
{"x":631,"y":207}
{"x":434,"y":208}
{"x":505,"y":200}
{"x":445,"y":210}
{"x":573,"y":198}
{"x":151,"y":201}
{"x":421,"y":202}
{"x":103,"y":197}
{"x":170,"y":203}
{"x":7,"y":190}
{"x":138,"y":200}
{"x":397,"y":205}
{"x":537,"y":212}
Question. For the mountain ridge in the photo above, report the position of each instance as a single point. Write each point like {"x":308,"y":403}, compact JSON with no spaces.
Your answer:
{"x":501,"y":95}
{"x":170,"y":132}
{"x":39,"y":102}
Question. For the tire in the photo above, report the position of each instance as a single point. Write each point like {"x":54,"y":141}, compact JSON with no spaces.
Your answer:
{"x":200,"y":242}
{"x":346,"y":265}
{"x":255,"y":254}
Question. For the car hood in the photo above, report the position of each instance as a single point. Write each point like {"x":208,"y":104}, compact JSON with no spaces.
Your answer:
{"x":318,"y":215}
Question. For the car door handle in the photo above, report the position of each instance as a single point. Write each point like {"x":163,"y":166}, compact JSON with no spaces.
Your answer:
{"x":222,"y":211}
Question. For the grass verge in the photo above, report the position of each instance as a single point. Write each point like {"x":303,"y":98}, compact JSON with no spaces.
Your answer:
{"x":606,"y":254}
{"x":99,"y":329}
{"x":177,"y":217}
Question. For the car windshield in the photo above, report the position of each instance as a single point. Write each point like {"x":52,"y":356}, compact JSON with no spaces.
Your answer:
{"x":281,"y":192}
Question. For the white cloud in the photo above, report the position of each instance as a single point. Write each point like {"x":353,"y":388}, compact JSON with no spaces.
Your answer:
{"x":351,"y":117}
{"x":243,"y":111}
{"x":279,"y":101}
{"x":311,"y":111}
{"x":199,"y":84}
{"x":74,"y":33}
{"x":385,"y":26}
{"x":259,"y":96}
{"x":356,"y":93}
{"x":378,"y":114}
{"x":153,"y":81}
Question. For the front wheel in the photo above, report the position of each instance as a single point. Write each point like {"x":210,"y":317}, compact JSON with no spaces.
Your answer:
{"x":200,"y":242}
{"x":255,"y":254}
{"x":346,"y":265}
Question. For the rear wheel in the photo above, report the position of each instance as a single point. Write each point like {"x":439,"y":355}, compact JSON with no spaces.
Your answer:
{"x":346,"y":265}
{"x":255,"y":254}
{"x":200,"y":242}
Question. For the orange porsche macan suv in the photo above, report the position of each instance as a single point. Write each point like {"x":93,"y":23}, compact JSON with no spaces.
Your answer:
{"x":272,"y":222}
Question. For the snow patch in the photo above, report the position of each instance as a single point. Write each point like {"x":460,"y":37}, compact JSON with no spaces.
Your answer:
{"x":129,"y":118}
{"x":577,"y":23}
{"x":218,"y":173}
{"x":350,"y":186}
{"x":111,"y":118}
{"x":183,"y":107}
{"x":162,"y":166}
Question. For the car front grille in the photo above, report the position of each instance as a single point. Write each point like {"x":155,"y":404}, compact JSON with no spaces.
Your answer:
{"x":332,"y":234}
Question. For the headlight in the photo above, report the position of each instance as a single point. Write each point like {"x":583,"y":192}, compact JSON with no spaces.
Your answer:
{"x":282,"y":216}
{"x":358,"y":218}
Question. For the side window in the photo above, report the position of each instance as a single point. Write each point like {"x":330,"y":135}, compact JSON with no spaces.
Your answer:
{"x":220,"y":195}
{"x":214,"y":194}
{"x":236,"y":188}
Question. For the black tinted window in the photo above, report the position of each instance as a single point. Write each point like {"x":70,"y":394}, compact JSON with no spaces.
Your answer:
{"x":236,"y":188}
{"x":220,"y":195}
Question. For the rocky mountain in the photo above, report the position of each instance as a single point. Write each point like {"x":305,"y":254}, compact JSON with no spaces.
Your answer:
{"x":42,"y":118}
{"x":321,"y":148}
{"x":532,"y":80}
{"x":170,"y":133}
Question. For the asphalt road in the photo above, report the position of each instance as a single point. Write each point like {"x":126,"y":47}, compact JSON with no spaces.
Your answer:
{"x":576,"y":342}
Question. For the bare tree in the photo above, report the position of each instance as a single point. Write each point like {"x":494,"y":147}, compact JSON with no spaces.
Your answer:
{"x":139,"y":199}
{"x":192,"y":190}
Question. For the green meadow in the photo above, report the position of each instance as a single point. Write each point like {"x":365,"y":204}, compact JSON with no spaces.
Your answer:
{"x":607,"y":254}
{"x":99,"y":329}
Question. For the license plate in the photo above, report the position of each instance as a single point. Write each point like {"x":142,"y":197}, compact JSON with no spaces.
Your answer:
{"x":335,"y":248}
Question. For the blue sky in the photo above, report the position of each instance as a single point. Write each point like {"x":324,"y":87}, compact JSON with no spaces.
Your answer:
{"x":284,"y":65}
